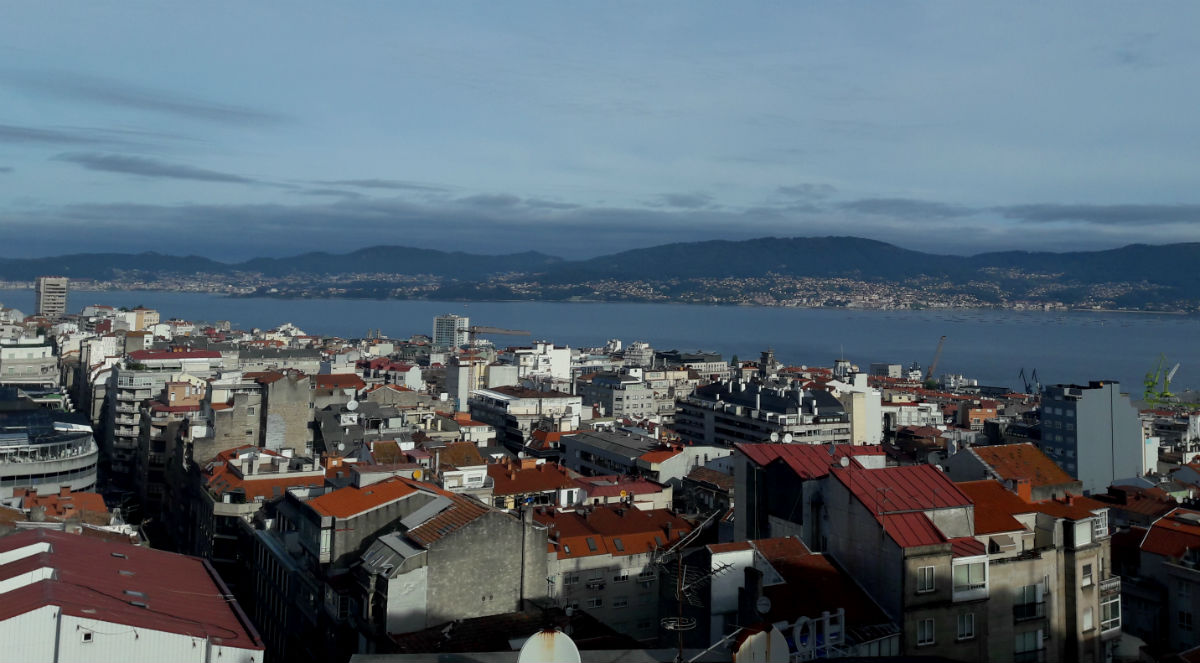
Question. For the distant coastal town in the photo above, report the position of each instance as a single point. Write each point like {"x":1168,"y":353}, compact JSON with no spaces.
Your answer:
{"x":415,"y":495}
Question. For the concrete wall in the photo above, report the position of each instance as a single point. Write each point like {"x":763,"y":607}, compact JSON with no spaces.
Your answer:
{"x":287,"y":413}
{"x":476,"y":570}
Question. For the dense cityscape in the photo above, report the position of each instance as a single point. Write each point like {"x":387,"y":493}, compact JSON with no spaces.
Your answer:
{"x":270,"y":495}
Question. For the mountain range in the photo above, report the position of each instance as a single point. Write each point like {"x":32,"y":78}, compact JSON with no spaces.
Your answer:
{"x":1172,"y":268}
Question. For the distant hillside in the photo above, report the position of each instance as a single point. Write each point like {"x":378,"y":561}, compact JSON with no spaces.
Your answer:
{"x":377,"y":259}
{"x":1158,"y":272}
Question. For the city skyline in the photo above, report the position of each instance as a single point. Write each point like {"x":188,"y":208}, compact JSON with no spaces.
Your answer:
{"x":238,"y":131}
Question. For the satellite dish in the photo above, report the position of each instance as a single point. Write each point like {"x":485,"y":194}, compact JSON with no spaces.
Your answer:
{"x":763,"y":605}
{"x":845,"y":461}
{"x":624,"y":494}
{"x":802,"y":635}
{"x":341,"y":446}
{"x":787,"y":438}
{"x":764,"y":647}
{"x":416,"y":475}
{"x":550,"y":646}
{"x":774,"y":437}
{"x":352,"y":406}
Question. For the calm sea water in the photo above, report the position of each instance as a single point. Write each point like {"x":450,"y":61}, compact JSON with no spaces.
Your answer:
{"x":991,"y":346}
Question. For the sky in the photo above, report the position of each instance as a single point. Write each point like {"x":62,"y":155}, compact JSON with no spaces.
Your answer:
{"x":233,"y":129}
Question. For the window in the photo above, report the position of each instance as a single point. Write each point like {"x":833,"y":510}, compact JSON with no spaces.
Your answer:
{"x":970,"y":576}
{"x":1087,"y":576}
{"x":620,"y":602}
{"x":1027,"y":642}
{"x":571,"y":579}
{"x":621,"y":576}
{"x":591,"y":544}
{"x":1100,"y":525}
{"x":966,"y":626}
{"x":1183,"y":590}
{"x":595,"y":602}
{"x":1185,"y":620}
{"x":925,"y":579}
{"x":925,"y":632}
{"x":1089,"y":620}
{"x":86,"y":637}
{"x":1110,"y":614}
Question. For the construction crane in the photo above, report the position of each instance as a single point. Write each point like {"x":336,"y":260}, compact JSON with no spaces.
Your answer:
{"x":1166,"y":394}
{"x":477,"y":329}
{"x":936,"y":356}
{"x":1024,"y":380}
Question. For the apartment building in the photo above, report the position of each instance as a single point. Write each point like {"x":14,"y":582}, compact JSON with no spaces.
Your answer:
{"x":1094,"y":433}
{"x":603,"y":560}
{"x":728,"y":413}
{"x":1014,"y":463}
{"x":75,"y":598}
{"x":619,"y":395}
{"x":516,"y":411}
{"x":29,"y":362}
{"x":50,"y":295}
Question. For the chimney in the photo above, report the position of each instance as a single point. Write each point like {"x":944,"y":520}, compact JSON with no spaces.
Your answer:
{"x":1025,"y":489}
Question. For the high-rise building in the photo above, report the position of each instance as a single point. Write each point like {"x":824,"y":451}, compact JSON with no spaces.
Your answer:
{"x":1094,"y":433}
{"x":51,"y":294}
{"x":450,"y":331}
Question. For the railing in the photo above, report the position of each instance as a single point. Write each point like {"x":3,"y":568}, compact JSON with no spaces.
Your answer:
{"x":1024,"y":611}
{"x":1110,"y":586}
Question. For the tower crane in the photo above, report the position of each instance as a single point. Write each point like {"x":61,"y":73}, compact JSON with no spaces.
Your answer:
{"x":936,"y":356}
{"x":1166,"y":394}
{"x":478,"y":329}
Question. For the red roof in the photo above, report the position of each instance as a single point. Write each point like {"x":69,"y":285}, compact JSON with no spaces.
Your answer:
{"x":1022,"y":461}
{"x":610,"y":530}
{"x":808,"y":461}
{"x":510,"y":479}
{"x":350,"y":501}
{"x":64,"y":504}
{"x":612,"y":485}
{"x":340,"y":381}
{"x":93,"y":579}
{"x":905,"y":488}
{"x":660,"y":455}
{"x":965,"y":546}
{"x":995,"y":506}
{"x":911,"y":529}
{"x":1173,"y":534}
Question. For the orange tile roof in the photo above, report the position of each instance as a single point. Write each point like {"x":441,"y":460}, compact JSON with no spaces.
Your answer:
{"x":463,"y":511}
{"x":1022,"y":461}
{"x":995,"y":506}
{"x":511,"y":480}
{"x":610,"y":530}
{"x":350,"y":501}
{"x":340,"y":381}
{"x":64,"y":504}
{"x":1172,"y":536}
{"x":461,"y":454}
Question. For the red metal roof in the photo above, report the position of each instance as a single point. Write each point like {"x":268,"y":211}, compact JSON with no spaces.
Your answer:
{"x":808,"y":461}
{"x":905,"y":488}
{"x":911,"y":529}
{"x":965,"y":546}
{"x":182,"y":594}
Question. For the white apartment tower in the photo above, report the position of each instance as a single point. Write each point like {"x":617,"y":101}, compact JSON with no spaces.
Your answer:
{"x":51,"y":294}
{"x":450,"y":331}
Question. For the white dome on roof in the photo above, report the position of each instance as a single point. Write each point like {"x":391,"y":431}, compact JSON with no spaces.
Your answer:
{"x":549,"y":646}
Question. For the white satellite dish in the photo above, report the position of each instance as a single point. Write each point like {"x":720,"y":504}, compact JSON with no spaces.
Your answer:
{"x":352,"y":406}
{"x":763,"y":605}
{"x":774,"y":437}
{"x":549,"y":646}
{"x":845,"y":461}
{"x":341,"y":446}
{"x":787,"y":438}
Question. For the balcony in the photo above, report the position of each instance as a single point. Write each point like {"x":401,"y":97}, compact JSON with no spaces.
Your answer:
{"x":1026,"y":611}
{"x":1110,"y":586}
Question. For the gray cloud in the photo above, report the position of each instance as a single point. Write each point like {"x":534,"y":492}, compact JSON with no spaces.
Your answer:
{"x":95,"y":89}
{"x":32,"y":135}
{"x":343,"y":193}
{"x":906,"y":208}
{"x":807,"y":191}
{"x":400,"y":185}
{"x":1116,"y":215}
{"x":120,"y":163}
{"x":490,"y":200}
{"x":685,"y":200}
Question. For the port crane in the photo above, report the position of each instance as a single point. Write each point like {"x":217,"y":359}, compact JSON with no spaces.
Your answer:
{"x":936,"y":356}
{"x":1158,"y":382}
